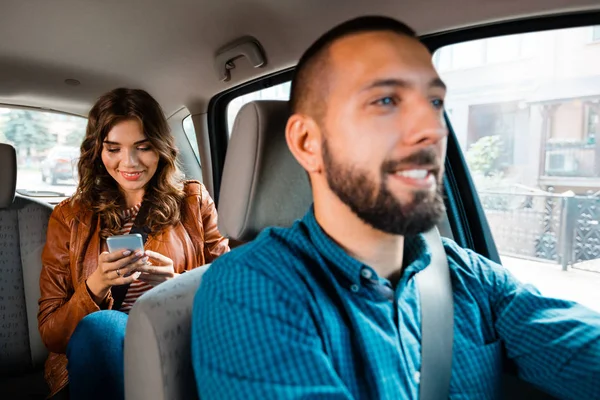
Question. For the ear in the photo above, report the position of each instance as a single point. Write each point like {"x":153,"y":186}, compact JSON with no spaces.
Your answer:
{"x":303,"y":138}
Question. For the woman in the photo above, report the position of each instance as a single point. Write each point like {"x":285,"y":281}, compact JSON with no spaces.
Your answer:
{"x":128,"y":176}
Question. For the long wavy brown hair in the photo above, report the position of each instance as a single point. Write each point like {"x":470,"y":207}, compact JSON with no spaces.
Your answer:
{"x":98,"y":191}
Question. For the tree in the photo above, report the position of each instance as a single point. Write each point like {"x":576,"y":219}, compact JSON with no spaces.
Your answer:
{"x":484,"y":155}
{"x":28,"y":130}
{"x":74,"y":138}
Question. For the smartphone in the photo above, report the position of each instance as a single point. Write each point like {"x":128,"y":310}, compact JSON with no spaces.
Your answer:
{"x":132,"y":242}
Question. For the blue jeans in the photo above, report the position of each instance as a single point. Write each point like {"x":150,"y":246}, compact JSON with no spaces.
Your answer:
{"x":96,"y":358}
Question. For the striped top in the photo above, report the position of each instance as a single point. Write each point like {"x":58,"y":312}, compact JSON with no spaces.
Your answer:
{"x":137,"y":288}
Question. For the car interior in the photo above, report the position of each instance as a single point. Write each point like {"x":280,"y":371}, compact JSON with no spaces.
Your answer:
{"x":221,"y":71}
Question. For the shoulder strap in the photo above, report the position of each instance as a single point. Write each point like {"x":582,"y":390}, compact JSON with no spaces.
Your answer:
{"x":437,"y":322}
{"x":119,"y":292}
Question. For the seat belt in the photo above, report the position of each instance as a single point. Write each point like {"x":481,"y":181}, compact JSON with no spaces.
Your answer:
{"x":437,"y":322}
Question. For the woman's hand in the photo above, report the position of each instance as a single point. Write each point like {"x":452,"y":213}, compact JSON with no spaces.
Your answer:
{"x":158,"y":270}
{"x":117,"y":268}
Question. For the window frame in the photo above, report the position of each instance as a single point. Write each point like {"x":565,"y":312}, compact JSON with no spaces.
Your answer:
{"x":218,"y":134}
{"x":465,"y":212}
{"x":468,"y":217}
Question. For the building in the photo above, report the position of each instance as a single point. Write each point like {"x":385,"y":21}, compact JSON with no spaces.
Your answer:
{"x":540,"y":93}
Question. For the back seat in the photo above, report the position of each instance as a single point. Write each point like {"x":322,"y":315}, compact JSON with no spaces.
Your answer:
{"x":23,"y":225}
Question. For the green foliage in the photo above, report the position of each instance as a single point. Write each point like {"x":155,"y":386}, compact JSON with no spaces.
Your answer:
{"x":483,"y":156}
{"x":27,"y":130}
{"x":74,"y":138}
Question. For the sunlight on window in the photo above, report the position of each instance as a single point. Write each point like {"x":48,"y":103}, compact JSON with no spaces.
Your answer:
{"x":190,"y":133}
{"x":526,"y":112}
{"x":47,"y":146}
{"x":277,"y":92}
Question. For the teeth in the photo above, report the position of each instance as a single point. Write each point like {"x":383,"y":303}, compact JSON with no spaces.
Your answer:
{"x":414,"y":173}
{"x":128,"y":174}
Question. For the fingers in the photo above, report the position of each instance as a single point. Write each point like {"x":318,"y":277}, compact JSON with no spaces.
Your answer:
{"x":157,"y":270}
{"x":124,"y":262}
{"x":114,"y":256}
{"x":127,"y":269}
{"x":158,"y":258}
{"x":124,"y":280}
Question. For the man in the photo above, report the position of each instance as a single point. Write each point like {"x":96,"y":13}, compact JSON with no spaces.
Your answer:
{"x":329,"y":308}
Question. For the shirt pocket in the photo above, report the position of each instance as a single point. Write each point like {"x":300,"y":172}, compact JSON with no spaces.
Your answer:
{"x":477,"y":372}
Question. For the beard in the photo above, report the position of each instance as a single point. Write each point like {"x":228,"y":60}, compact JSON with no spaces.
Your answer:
{"x":377,"y":206}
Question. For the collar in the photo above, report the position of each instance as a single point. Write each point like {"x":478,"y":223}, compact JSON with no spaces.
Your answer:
{"x":417,"y":254}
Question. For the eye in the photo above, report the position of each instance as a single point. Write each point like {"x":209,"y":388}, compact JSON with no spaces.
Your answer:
{"x":113,"y":150}
{"x":144,"y":148}
{"x":386,"y":101}
{"x":437,"y":103}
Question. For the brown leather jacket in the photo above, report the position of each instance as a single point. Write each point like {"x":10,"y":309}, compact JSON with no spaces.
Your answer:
{"x":71,"y":255}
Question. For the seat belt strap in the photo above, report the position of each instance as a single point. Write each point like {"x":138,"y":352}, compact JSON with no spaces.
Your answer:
{"x":437,"y":322}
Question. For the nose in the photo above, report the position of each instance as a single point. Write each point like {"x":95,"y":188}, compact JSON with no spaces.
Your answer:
{"x":423,"y":123}
{"x":130,"y":159}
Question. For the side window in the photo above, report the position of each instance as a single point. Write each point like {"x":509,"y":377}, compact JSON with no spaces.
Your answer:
{"x":596,"y":33}
{"x":526,"y":111}
{"x":47,"y":146}
{"x":277,"y":92}
{"x":190,"y":133}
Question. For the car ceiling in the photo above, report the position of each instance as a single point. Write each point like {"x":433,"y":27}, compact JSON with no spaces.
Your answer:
{"x":168,"y":47}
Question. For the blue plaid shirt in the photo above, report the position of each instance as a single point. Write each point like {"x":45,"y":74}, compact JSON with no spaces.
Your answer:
{"x":291,"y":315}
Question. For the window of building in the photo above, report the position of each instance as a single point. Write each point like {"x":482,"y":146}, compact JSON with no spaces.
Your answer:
{"x":529,"y":137}
{"x":595,"y":33}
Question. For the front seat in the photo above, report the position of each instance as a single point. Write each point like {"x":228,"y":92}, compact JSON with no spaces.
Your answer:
{"x":260,"y":188}
{"x":23,"y":225}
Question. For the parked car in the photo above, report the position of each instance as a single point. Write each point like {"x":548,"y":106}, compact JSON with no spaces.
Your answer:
{"x":60,"y":164}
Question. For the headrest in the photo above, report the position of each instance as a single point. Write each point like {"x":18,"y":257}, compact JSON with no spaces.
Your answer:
{"x":263,"y":185}
{"x":8,"y":175}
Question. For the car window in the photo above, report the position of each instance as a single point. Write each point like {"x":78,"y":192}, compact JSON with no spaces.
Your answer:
{"x":47,"y":146}
{"x":190,"y":133}
{"x":277,"y":92}
{"x":526,"y":112}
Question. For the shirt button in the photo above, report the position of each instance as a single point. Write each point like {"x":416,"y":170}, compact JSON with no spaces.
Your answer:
{"x":354,"y":288}
{"x":417,"y":377}
{"x":365,"y":273}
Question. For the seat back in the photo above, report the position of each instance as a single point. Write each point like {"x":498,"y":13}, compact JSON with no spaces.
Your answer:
{"x":157,"y":344}
{"x":260,"y":188}
{"x":263,"y":185}
{"x":23,"y":225}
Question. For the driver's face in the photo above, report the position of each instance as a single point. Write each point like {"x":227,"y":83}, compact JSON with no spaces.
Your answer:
{"x":384,"y":131}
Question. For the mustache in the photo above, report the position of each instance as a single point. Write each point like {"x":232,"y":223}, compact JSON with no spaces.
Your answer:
{"x":425,"y":157}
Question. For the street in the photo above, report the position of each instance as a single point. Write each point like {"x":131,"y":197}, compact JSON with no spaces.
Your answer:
{"x":574,"y":284}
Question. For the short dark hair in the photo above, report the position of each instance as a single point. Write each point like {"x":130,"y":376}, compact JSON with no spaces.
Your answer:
{"x":309,"y":85}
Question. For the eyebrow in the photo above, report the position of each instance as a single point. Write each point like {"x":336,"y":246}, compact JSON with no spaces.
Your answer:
{"x":434,"y":83}
{"x":118,"y":144}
